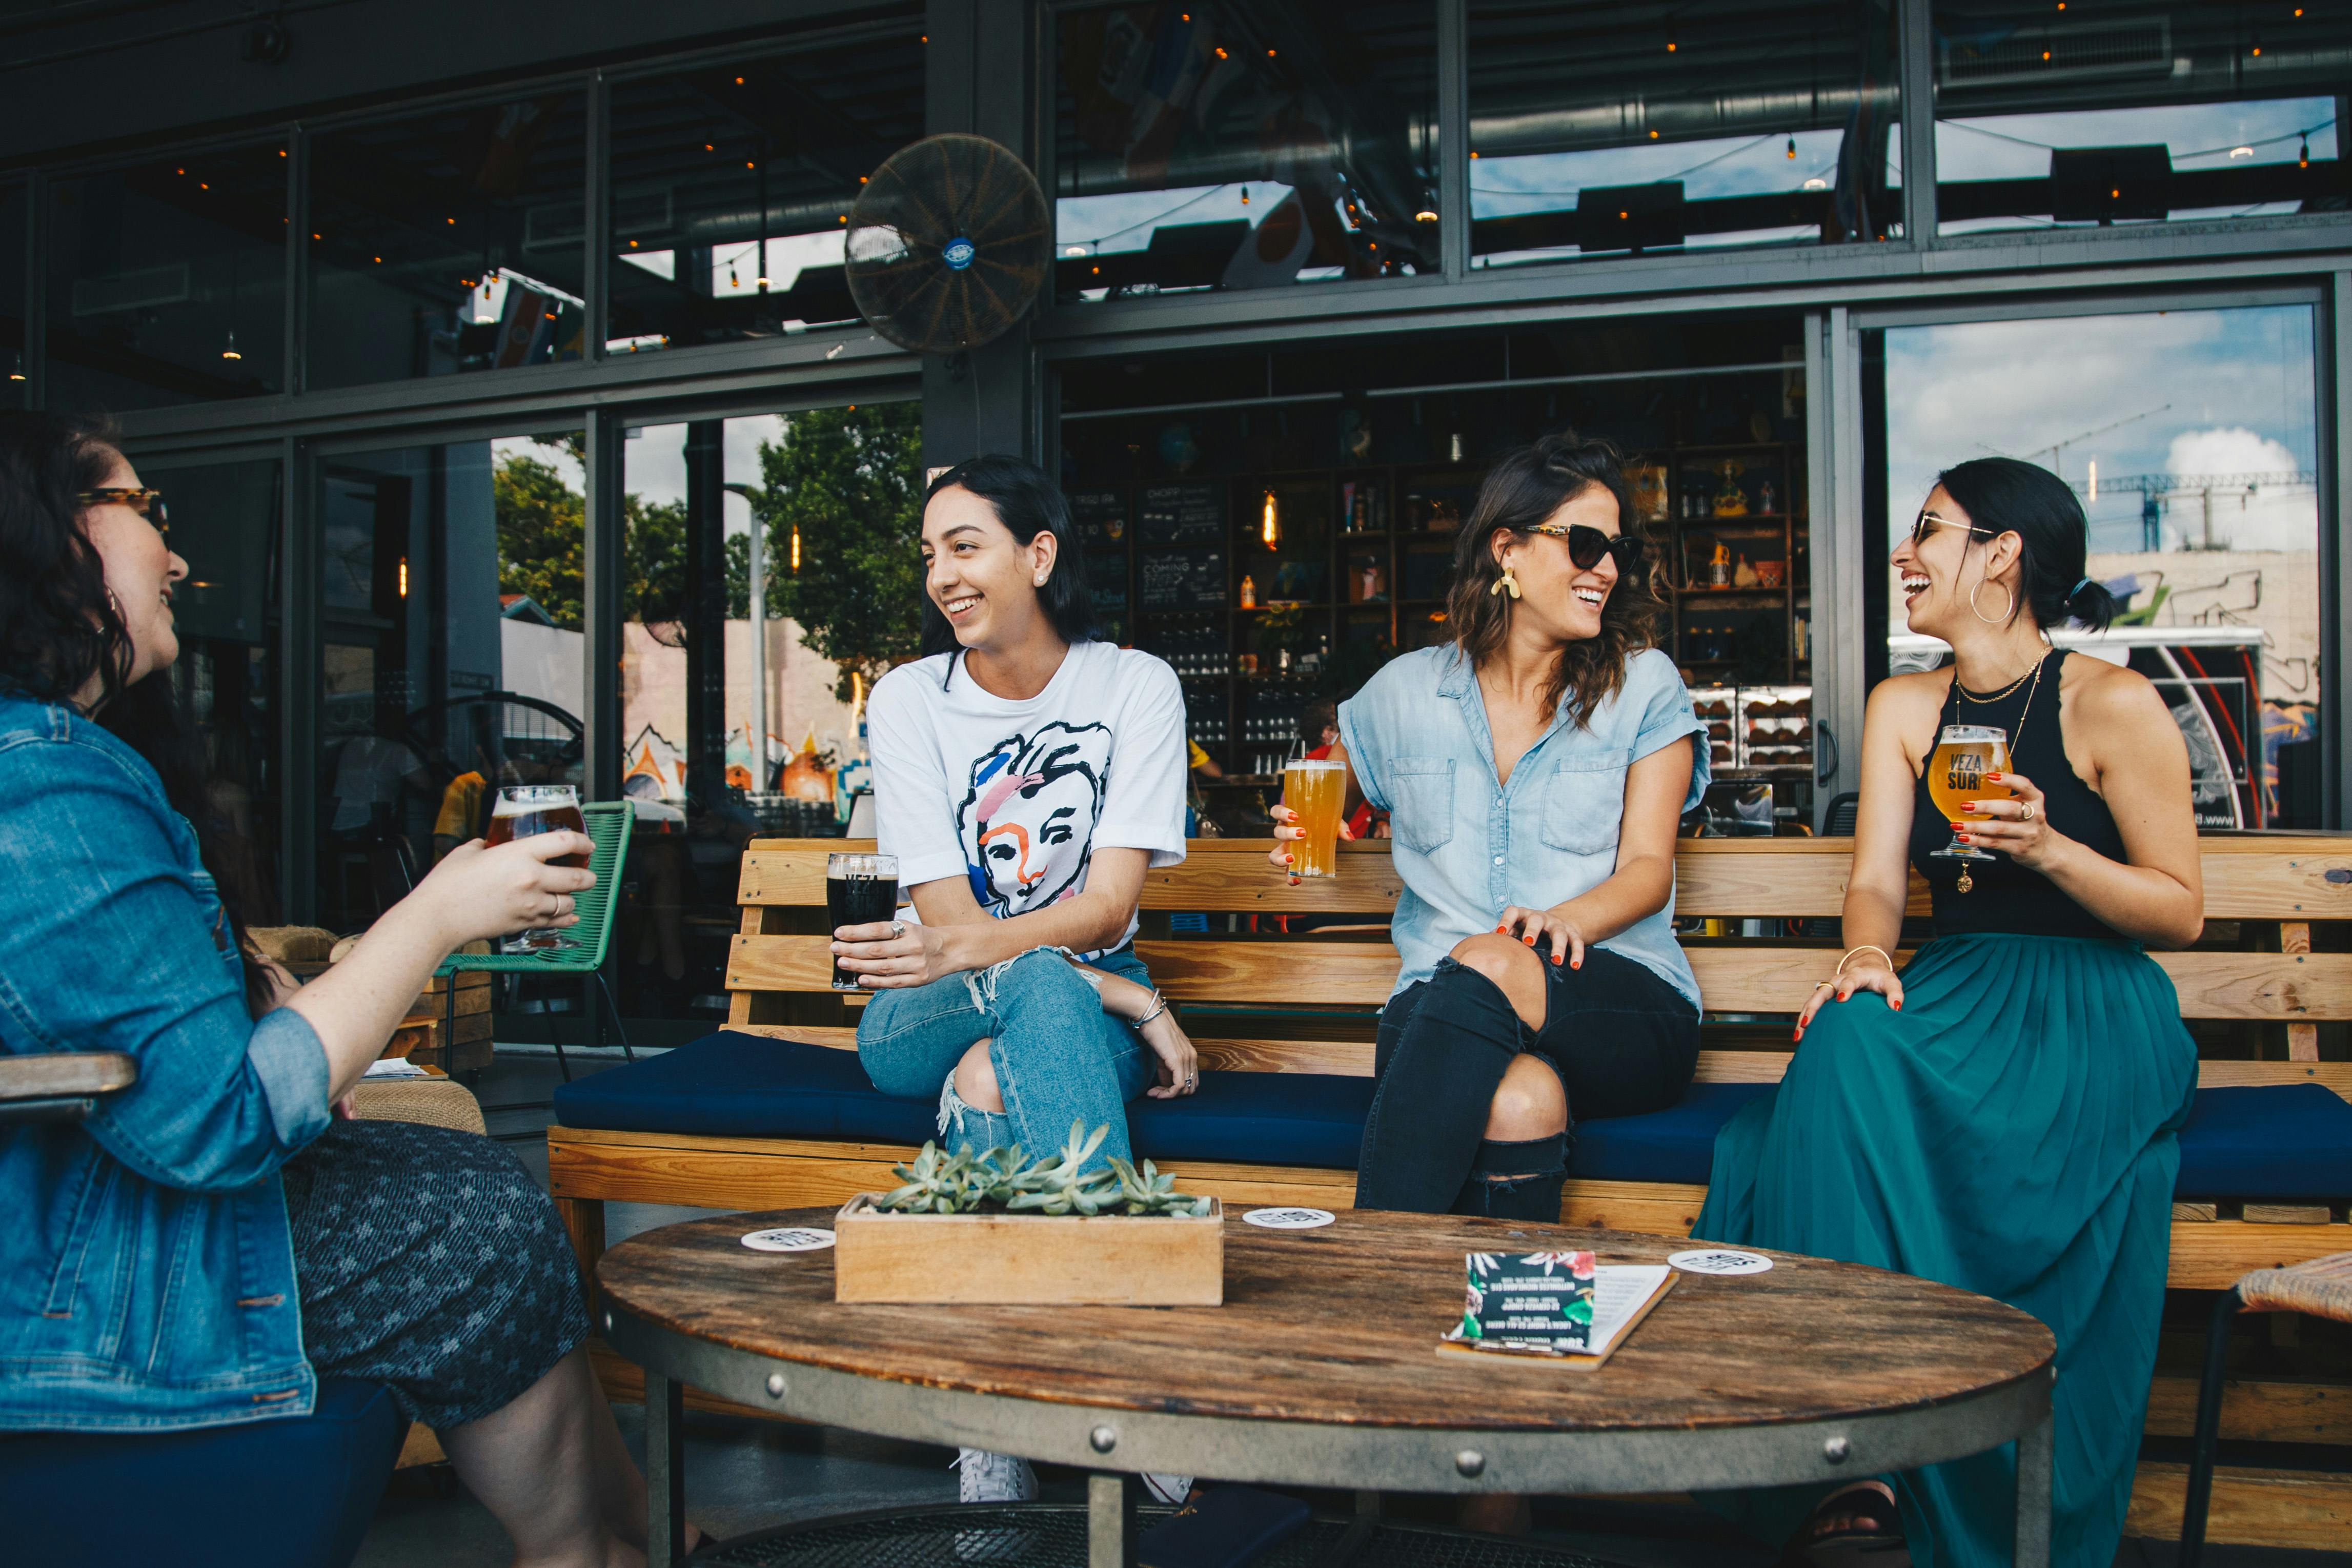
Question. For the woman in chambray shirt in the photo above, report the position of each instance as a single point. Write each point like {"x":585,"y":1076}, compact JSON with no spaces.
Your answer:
{"x":1535,"y":769}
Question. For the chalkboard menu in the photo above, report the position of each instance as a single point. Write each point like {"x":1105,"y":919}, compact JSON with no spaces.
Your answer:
{"x":1101,"y":519}
{"x":1192,"y":580}
{"x":1106,"y":578}
{"x":1182,"y":515}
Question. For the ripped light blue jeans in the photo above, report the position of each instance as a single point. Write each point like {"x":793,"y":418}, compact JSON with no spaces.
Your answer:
{"x":1058,"y":1056}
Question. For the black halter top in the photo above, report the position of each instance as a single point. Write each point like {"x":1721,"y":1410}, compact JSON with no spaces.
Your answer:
{"x":2003,"y":895}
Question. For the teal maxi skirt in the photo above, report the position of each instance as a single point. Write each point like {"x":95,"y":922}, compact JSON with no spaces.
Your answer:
{"x":2010,"y":1132}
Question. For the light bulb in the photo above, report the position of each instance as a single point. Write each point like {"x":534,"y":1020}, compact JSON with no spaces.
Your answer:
{"x":229,"y":351}
{"x":1270,"y":529}
{"x":796,"y":547}
{"x":1792,"y":147}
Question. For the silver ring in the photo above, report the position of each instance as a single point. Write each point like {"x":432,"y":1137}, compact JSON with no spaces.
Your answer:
{"x":898,"y":929}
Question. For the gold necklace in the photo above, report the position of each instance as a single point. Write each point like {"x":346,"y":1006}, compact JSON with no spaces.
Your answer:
{"x":1966,"y":882}
{"x":1992,"y":697}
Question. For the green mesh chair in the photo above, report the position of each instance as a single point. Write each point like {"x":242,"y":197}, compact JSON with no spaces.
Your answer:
{"x":609,"y":822}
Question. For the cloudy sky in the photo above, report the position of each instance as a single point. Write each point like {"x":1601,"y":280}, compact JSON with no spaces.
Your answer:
{"x":2187,"y":391}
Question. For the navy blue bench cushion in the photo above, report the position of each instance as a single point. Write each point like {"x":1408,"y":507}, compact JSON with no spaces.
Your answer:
{"x":2290,"y":1142}
{"x":293,"y":1493}
{"x":746,"y":1085}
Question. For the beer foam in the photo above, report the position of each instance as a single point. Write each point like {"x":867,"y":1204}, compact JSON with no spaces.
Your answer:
{"x":537,"y":799}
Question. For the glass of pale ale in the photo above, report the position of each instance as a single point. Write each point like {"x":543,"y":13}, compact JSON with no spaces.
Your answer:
{"x":522,"y":810}
{"x":1964,"y":754}
{"x":859,"y":890}
{"x":1315,"y":790}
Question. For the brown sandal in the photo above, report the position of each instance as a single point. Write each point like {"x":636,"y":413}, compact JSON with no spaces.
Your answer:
{"x":1859,"y":1526}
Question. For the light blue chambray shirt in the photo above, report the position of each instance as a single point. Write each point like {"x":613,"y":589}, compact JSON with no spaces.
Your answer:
{"x":1467,"y":846}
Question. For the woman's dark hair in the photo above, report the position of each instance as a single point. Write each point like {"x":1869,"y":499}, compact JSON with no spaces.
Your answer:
{"x":59,"y":627}
{"x":1027,"y":503}
{"x":2007,"y":497}
{"x":1525,"y":488}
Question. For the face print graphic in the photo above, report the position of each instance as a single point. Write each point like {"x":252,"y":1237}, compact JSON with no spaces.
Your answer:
{"x":1029,"y":818}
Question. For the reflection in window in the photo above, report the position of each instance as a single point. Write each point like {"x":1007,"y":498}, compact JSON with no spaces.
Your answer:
{"x":1225,"y":146}
{"x":452,"y":657}
{"x":2192,"y":436}
{"x":12,"y":380}
{"x":166,"y":282}
{"x":2106,"y":111}
{"x":726,"y":736}
{"x":733,"y":185}
{"x":1600,"y":131}
{"x":453,"y":243}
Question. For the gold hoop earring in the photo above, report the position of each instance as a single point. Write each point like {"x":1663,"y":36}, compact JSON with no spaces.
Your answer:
{"x":1507,"y":583}
{"x":2007,"y":609}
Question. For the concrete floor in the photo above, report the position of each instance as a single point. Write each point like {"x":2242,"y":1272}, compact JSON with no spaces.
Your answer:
{"x":745,"y":1476}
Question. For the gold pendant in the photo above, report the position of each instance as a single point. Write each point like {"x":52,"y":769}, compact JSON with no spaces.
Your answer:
{"x":1966,"y":882}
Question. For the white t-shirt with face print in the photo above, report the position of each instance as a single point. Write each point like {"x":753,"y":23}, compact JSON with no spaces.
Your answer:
{"x":1015,"y":797}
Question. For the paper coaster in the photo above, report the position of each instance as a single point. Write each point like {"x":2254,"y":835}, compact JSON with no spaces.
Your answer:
{"x":795,"y":1239}
{"x":1288,"y":1219}
{"x":1720,"y":1261}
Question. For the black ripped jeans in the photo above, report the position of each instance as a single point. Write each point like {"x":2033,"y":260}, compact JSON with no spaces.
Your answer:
{"x":1622,"y":1041}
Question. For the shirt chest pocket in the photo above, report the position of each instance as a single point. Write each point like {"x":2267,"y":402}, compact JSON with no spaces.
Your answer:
{"x":1584,"y":800}
{"x":1420,"y":795}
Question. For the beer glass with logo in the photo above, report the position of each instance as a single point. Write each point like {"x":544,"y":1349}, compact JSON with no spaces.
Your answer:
{"x":1315,"y":790}
{"x":859,"y":890}
{"x":1964,"y":754}
{"x":522,"y":810}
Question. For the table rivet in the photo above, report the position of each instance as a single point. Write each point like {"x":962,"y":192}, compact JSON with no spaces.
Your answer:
{"x":776,"y":1385}
{"x":1470,"y":1462}
{"x":1102,"y":1439}
{"x":1837,"y":1450}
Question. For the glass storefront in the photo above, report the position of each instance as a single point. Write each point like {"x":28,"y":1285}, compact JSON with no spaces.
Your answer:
{"x":1219,"y":145}
{"x":167,"y":282}
{"x":451,"y":653}
{"x":731,"y":187}
{"x":449,"y":244}
{"x":2191,"y":437}
{"x":736,"y":723}
{"x":1596,"y":130}
{"x":2112,"y":112}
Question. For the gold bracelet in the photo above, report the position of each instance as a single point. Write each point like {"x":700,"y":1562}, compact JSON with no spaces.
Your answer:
{"x":1865,"y":947}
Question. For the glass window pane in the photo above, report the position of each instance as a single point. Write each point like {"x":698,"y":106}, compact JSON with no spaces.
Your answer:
{"x":708,"y":163}
{"x":2192,"y":436}
{"x":12,"y":297}
{"x":695,"y":694}
{"x":1228,"y":146}
{"x":451,"y":651}
{"x":2109,"y":112}
{"x":167,"y":282}
{"x":1604,"y":129}
{"x":224,"y":524}
{"x":448,"y":244}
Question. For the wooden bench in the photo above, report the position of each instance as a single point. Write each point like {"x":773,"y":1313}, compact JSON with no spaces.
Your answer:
{"x":1305,"y":1004}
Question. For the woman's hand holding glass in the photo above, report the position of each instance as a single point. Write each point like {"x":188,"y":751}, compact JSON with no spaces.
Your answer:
{"x":892,"y":954}
{"x":477,"y":891}
{"x":1286,"y":830}
{"x":2018,"y":827}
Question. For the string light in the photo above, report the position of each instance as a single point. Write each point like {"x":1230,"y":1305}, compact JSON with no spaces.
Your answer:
{"x":404,"y":577}
{"x":1270,"y":527}
{"x":230,"y":352}
{"x":1674,"y":40}
{"x":2302,"y":159}
{"x":1792,"y":149}
{"x":796,"y":547}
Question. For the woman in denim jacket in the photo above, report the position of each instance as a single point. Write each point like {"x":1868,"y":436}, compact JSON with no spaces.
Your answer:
{"x":213,"y":1240}
{"x":1535,"y":769}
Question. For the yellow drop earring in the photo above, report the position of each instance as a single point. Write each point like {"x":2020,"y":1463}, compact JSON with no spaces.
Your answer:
{"x":1507,"y":583}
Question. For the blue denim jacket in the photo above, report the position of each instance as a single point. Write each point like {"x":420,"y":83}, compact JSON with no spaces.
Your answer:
{"x":1466,"y":846}
{"x":146,"y":1269}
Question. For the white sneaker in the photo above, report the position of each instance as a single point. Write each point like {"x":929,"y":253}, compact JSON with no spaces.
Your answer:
{"x":984,"y":1477}
{"x":1167,"y":1488}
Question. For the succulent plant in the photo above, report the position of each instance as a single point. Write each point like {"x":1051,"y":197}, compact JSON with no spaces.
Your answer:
{"x":960,"y":1182}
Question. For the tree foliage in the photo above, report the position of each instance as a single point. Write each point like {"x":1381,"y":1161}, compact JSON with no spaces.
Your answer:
{"x":542,"y":542}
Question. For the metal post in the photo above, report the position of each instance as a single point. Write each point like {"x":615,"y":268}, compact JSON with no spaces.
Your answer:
{"x":298,"y":684}
{"x":1914,"y":46}
{"x":1110,"y":1521}
{"x":295,"y":375}
{"x":597,"y":264}
{"x":2199,"y":1495}
{"x":36,"y":290}
{"x":2335,"y":361}
{"x":1833,"y":484}
{"x":601,"y":688}
{"x":2036,"y":1451}
{"x":1453,"y":231}
{"x":757,"y":562}
{"x":665,"y":1470}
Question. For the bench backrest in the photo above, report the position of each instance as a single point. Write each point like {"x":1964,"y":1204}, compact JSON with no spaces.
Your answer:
{"x":2271,"y":888}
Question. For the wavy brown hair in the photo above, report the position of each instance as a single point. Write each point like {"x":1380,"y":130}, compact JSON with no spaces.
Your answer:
{"x":1524,"y":488}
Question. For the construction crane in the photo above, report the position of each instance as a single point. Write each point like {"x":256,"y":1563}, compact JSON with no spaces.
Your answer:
{"x":2155,"y":489}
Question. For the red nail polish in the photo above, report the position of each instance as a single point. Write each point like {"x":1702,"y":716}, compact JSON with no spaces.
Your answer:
{"x":1288,"y":858}
{"x":1994,"y":778}
{"x":1897,"y":1006}
{"x":1577,"y":965}
{"x":1555,"y":959}
{"x":1528,"y":940}
{"x":1795,"y":1035}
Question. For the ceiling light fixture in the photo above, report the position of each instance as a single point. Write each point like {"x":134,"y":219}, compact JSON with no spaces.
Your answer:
{"x":1270,"y":524}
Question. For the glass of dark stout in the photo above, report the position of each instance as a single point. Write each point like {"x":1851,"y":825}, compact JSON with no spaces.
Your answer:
{"x":859,"y":890}
{"x":522,"y":810}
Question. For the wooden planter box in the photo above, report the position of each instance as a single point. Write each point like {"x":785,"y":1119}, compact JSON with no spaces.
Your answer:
{"x":1028,"y":1259}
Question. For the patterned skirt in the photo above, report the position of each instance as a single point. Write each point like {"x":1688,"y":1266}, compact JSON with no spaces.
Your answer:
{"x":429,"y":1260}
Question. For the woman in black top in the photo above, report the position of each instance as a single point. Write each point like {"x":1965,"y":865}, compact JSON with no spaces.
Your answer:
{"x":1999,"y":1116}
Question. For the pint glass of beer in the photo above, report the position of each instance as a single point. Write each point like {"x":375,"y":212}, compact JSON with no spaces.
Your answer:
{"x":1315,"y":790}
{"x":522,"y":810}
{"x":859,"y":890}
{"x":1956,"y":775}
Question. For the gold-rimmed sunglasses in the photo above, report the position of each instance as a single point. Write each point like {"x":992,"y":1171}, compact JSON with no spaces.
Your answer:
{"x":1928,"y":522}
{"x":148,"y":504}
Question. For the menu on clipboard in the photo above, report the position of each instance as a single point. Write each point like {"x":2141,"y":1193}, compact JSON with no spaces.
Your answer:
{"x":1622,"y":1296}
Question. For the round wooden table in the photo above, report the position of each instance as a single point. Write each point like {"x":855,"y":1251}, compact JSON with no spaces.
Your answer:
{"x":1321,"y":1369}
